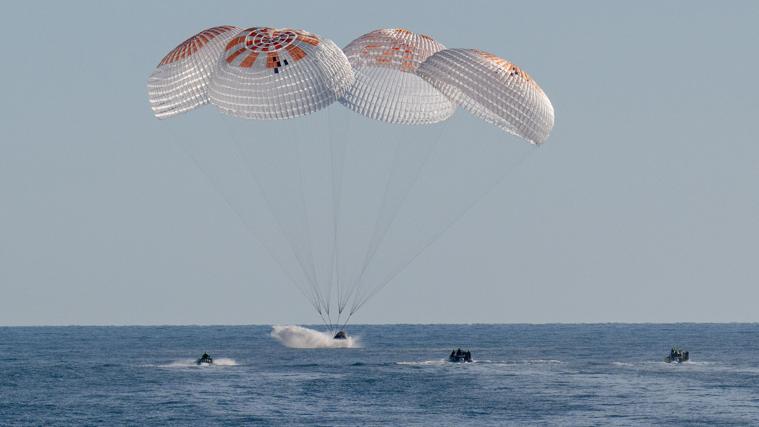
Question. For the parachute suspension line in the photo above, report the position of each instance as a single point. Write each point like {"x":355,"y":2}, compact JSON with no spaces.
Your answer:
{"x":306,"y":222}
{"x":346,"y":321}
{"x":239,"y":152}
{"x":348,"y":318}
{"x":380,"y":231}
{"x":334,"y":275}
{"x":331,"y":267}
{"x":334,"y":199}
{"x":299,"y":286}
{"x":318,"y":310}
{"x":369,"y":251}
{"x":393,"y":170}
{"x":314,"y":298}
{"x":489,"y":189}
{"x":337,"y":164}
{"x":326,"y":321}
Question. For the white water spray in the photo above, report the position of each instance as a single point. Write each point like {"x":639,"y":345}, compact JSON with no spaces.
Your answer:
{"x":299,"y":337}
{"x":191,"y":363}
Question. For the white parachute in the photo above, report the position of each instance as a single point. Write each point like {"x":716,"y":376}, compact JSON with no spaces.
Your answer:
{"x":493,"y":89}
{"x":266,"y":73}
{"x":344,"y":202}
{"x":180,"y":82}
{"x":387,"y":87}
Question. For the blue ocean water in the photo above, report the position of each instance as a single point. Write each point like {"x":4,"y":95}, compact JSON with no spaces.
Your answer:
{"x":601,"y":374}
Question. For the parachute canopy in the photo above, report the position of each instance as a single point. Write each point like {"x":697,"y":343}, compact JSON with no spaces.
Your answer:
{"x":180,"y":82}
{"x":493,"y":89}
{"x":267,"y":73}
{"x":391,"y":75}
{"x":387,"y":87}
{"x":390,"y":192}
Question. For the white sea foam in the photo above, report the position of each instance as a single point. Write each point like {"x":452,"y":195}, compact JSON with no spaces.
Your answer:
{"x":424,"y":363}
{"x":542,"y":361}
{"x":184,"y":363}
{"x":485,"y":362}
{"x":190,"y":363}
{"x":299,"y":337}
{"x":224,"y":361}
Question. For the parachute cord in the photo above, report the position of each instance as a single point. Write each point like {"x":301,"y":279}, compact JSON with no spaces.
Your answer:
{"x":323,"y":320}
{"x":306,"y":221}
{"x":333,"y":255}
{"x":378,"y":236}
{"x":342,"y":328}
{"x":321,"y":308}
{"x":338,"y":173}
{"x":337,"y":324}
{"x":281,"y":228}
{"x":350,"y":294}
{"x":370,"y":246}
{"x":315,"y":297}
{"x":328,"y":323}
{"x":359,"y":303}
{"x":244,"y":222}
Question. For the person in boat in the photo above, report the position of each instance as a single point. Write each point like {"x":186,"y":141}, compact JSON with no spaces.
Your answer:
{"x":205,"y":358}
{"x":460,"y":355}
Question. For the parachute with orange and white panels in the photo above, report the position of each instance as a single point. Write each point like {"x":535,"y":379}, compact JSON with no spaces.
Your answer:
{"x":386,"y":77}
{"x":256,"y":73}
{"x":391,"y":75}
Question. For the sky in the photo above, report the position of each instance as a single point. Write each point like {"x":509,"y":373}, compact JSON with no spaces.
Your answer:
{"x":641,"y":207}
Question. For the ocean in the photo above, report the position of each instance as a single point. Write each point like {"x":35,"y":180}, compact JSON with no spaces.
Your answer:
{"x":555,"y":374}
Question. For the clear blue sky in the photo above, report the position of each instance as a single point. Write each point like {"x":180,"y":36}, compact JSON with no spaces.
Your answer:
{"x":642,"y":206}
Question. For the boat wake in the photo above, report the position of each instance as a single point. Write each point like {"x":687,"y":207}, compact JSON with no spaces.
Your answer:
{"x":438,"y":362}
{"x":299,"y":337}
{"x":190,"y":363}
{"x":441,"y":362}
